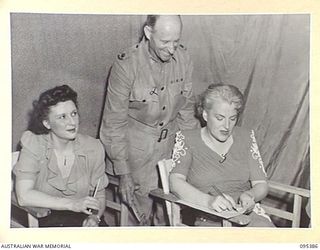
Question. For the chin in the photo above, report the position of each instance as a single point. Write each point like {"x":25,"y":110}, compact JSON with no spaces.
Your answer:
{"x":223,"y":139}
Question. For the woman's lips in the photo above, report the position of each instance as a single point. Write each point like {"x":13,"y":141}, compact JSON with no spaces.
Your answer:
{"x":73,"y":130}
{"x":224,"y":132}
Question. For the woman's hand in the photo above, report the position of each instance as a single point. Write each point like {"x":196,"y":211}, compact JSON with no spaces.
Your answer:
{"x":247,"y":201}
{"x":83,"y":204}
{"x":91,"y":221}
{"x":221,"y":203}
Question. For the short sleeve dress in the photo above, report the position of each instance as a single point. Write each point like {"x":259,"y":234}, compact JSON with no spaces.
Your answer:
{"x":204,"y":168}
{"x":38,"y":162}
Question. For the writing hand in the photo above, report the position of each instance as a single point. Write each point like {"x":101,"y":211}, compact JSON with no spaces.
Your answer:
{"x":222,"y":203}
{"x":83,"y":204}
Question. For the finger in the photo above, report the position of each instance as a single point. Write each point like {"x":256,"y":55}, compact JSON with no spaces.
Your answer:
{"x":123,"y":196}
{"x":217,"y":208}
{"x":84,"y":223}
{"x":231,"y":200}
{"x":227,"y":205}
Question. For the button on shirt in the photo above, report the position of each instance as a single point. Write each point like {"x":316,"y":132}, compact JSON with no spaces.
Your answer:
{"x":149,"y":93}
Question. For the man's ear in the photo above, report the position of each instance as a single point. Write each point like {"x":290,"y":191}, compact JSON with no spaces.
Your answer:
{"x":205,"y":115}
{"x":147,"y":31}
{"x":46,"y":124}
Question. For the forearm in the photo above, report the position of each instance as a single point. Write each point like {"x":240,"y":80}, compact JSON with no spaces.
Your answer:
{"x":34,"y":198}
{"x":187,"y":192}
{"x":259,"y":191}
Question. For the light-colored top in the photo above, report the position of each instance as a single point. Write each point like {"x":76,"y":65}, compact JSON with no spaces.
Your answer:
{"x":149,"y":94}
{"x":38,"y":162}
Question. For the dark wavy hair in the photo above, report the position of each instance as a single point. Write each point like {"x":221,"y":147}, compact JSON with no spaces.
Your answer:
{"x":47,"y":99}
{"x":225,"y":92}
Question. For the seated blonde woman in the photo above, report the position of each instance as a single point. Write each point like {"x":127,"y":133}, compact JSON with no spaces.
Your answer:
{"x":220,"y":156}
{"x":59,"y":168}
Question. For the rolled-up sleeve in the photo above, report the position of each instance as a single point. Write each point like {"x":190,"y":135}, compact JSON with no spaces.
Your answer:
{"x":114,"y":127}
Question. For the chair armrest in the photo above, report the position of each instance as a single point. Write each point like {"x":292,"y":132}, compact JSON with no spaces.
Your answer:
{"x":289,"y":189}
{"x":172,"y":198}
{"x":37,"y":212}
{"x":160,"y":194}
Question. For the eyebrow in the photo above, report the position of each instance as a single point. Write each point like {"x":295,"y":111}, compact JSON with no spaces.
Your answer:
{"x":225,"y":117}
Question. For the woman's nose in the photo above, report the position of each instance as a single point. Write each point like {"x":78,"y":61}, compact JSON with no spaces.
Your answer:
{"x":226,"y":124}
{"x":71,"y":120}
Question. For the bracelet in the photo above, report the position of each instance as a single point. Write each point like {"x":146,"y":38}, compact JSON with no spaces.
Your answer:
{"x":96,"y":217}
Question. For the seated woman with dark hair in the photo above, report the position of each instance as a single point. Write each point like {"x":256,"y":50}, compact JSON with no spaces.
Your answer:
{"x":58,"y":168}
{"x":220,"y":158}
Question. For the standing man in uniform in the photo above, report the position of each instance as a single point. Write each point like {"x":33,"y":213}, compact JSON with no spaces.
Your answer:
{"x":149,"y":98}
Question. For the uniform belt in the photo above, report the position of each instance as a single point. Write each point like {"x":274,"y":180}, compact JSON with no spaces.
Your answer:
{"x":160,"y":133}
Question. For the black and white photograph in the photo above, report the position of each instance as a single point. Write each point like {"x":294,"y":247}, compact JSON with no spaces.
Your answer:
{"x":222,"y":99}
{"x":162,"y":121}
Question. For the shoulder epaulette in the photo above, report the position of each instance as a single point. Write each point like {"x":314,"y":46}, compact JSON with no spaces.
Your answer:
{"x":126,"y":54}
{"x":182,"y":47}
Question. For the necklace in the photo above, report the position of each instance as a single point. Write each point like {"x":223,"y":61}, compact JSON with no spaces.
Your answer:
{"x":65,"y":162}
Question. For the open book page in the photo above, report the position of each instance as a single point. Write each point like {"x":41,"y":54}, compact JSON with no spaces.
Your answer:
{"x":223,"y":214}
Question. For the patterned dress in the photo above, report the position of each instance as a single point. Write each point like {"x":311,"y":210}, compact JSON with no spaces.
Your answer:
{"x":204,"y":168}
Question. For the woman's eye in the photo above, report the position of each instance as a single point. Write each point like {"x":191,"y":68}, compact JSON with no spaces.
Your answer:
{"x":74,"y":113}
{"x":233,"y":118}
{"x":62,"y":116}
{"x":219,"y":118}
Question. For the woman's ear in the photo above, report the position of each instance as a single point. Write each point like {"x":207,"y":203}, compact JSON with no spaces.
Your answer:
{"x":46,"y":124}
{"x":205,"y":115}
{"x":147,"y":31}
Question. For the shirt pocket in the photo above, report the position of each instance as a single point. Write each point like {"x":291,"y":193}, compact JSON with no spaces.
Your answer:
{"x":142,"y":97}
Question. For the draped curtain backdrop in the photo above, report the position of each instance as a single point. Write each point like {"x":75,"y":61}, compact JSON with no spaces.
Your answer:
{"x":266,"y":56}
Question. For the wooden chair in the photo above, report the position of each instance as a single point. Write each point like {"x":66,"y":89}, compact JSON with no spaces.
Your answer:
{"x":34,"y":213}
{"x":116,"y":203}
{"x":173,"y":203}
{"x":295,"y":194}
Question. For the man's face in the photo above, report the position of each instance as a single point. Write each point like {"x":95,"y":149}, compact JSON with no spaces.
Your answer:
{"x":164,"y":37}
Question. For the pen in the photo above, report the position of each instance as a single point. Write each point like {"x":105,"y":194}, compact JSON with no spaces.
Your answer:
{"x":223,"y":195}
{"x":94,"y":211}
{"x":96,"y":189}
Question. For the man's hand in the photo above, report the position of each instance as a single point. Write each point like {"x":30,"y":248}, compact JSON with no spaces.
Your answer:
{"x":126,"y":188}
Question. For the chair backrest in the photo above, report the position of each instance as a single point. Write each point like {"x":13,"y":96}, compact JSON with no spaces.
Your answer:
{"x":15,"y":157}
{"x":165,"y":167}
